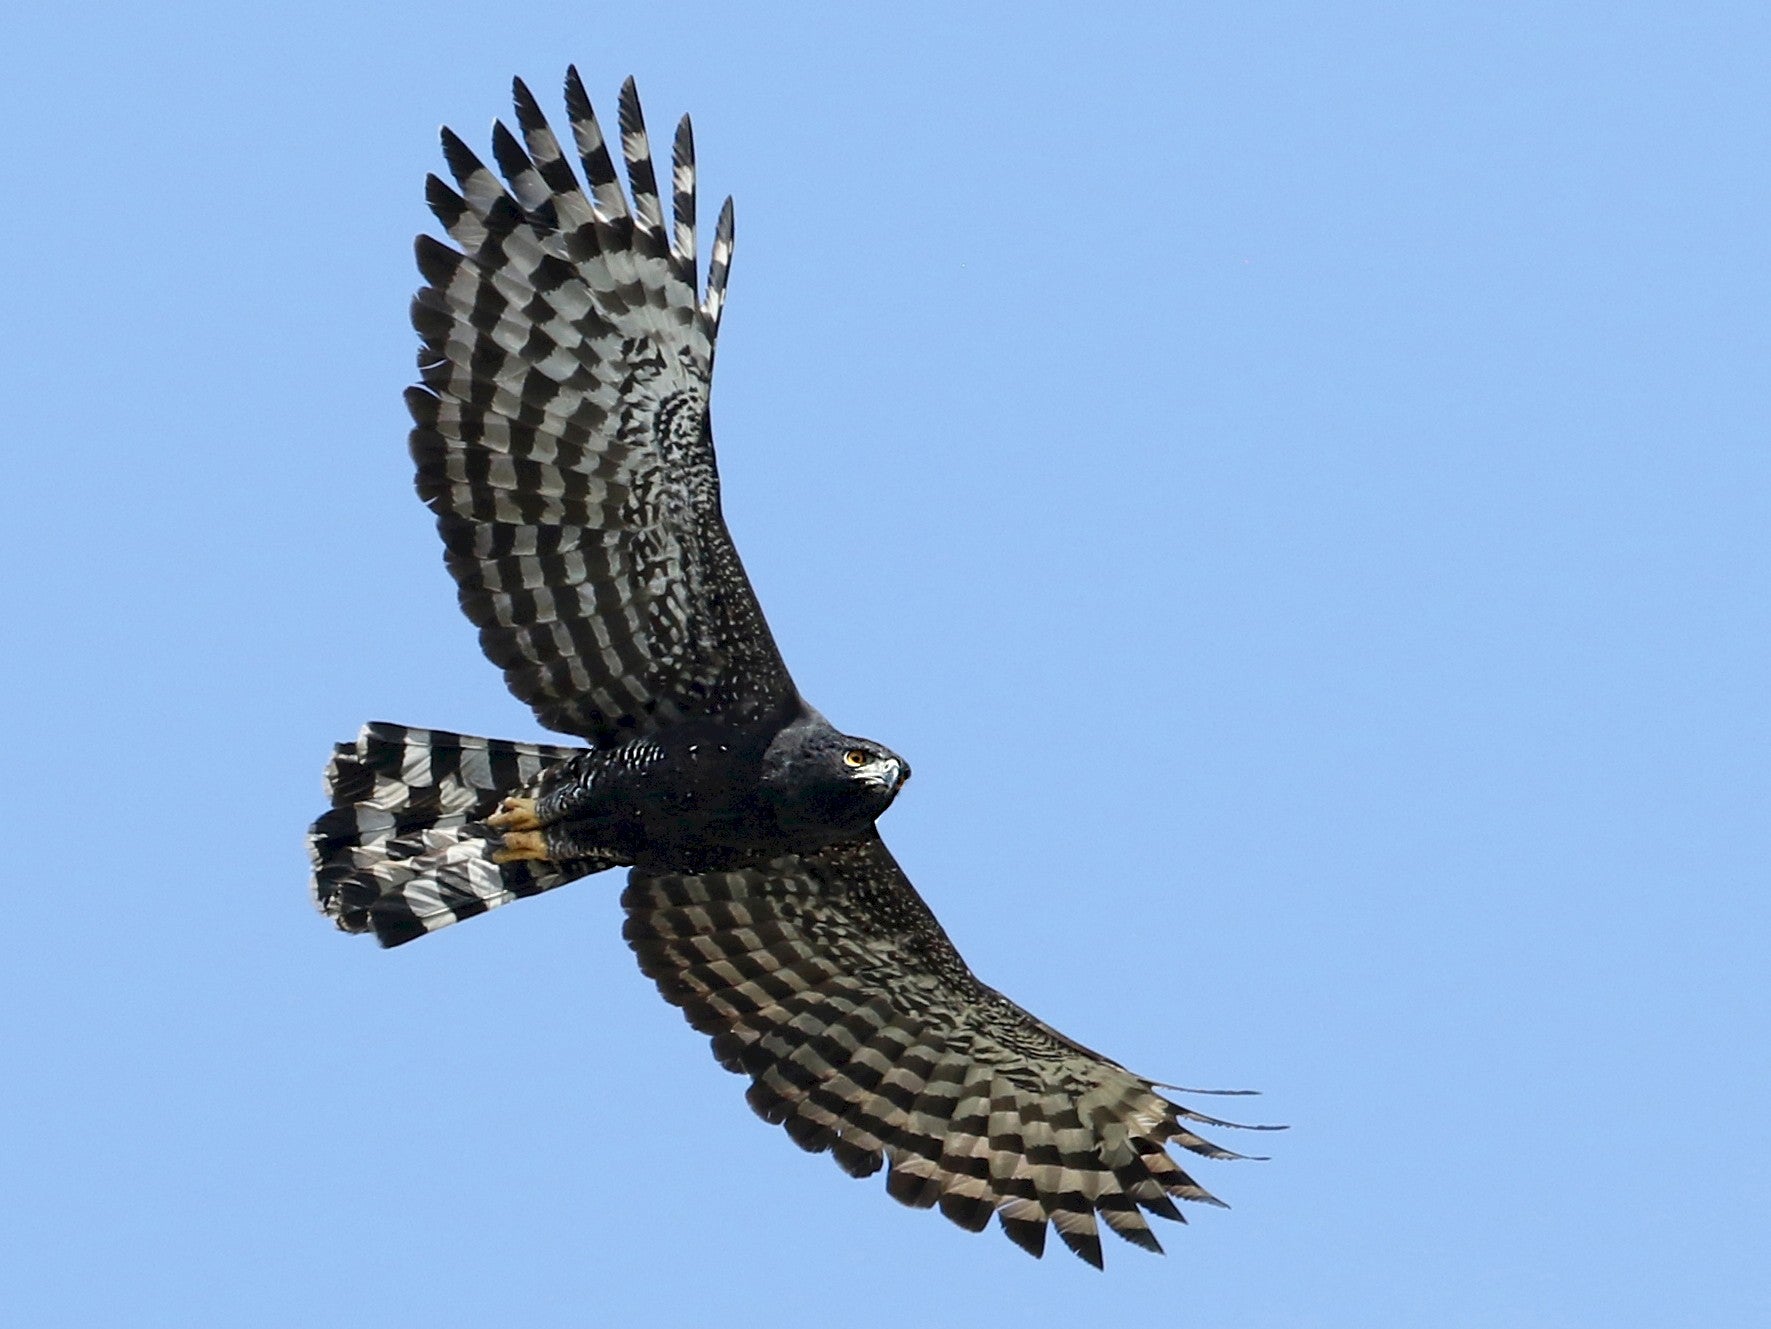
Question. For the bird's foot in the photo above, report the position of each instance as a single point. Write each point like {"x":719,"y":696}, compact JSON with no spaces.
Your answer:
{"x":515,"y":814}
{"x":521,"y":847}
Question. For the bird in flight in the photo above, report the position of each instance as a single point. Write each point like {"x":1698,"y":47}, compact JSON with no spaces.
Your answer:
{"x":561,"y":435}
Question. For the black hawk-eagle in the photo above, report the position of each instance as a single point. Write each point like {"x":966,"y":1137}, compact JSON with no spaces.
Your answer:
{"x":561,"y":437}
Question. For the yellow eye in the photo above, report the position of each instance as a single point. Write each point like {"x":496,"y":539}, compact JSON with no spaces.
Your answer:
{"x":854,"y":757}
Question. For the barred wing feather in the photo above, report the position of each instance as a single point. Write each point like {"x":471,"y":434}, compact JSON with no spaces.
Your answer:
{"x":826,"y":979}
{"x":561,"y":431}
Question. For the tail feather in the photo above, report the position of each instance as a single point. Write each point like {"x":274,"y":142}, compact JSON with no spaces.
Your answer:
{"x":405,"y":849}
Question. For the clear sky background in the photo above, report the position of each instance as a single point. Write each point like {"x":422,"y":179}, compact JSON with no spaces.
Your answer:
{"x":1293,"y":479}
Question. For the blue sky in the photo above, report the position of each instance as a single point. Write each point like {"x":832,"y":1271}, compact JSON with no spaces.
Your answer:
{"x":1293,"y":479}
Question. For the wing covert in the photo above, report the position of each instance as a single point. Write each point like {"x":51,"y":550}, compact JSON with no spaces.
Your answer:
{"x":827,"y":980}
{"x":561,"y":430}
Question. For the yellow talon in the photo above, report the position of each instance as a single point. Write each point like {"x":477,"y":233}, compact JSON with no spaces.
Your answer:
{"x":522,"y":846}
{"x":515,"y":814}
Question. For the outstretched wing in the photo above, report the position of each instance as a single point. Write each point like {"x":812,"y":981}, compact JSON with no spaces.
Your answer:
{"x":826,"y":979}
{"x":562,"y":435}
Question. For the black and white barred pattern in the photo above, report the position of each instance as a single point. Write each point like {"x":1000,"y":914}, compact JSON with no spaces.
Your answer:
{"x":561,"y":431}
{"x":561,"y":438}
{"x":827,"y":980}
{"x":404,"y":850}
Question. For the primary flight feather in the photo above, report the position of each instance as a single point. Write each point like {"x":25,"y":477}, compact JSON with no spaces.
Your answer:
{"x":561,"y":437}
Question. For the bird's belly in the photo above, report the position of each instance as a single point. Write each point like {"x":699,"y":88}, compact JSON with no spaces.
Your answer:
{"x":688,"y":830}
{"x":666,"y":819}
{"x":693,"y":800}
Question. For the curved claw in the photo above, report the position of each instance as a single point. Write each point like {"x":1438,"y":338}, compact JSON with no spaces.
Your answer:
{"x":515,"y":814}
{"x":522,"y":846}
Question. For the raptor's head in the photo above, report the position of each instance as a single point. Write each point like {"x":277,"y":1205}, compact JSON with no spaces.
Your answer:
{"x":825,"y":784}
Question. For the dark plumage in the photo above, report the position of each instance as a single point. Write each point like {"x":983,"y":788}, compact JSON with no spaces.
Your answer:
{"x":561,"y":437}
{"x":702,"y":795}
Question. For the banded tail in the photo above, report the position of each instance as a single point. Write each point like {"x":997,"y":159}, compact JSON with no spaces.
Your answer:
{"x":405,"y":849}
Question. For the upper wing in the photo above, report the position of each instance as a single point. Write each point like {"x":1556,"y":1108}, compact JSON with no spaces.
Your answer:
{"x":562,"y":436}
{"x":825,"y":978}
